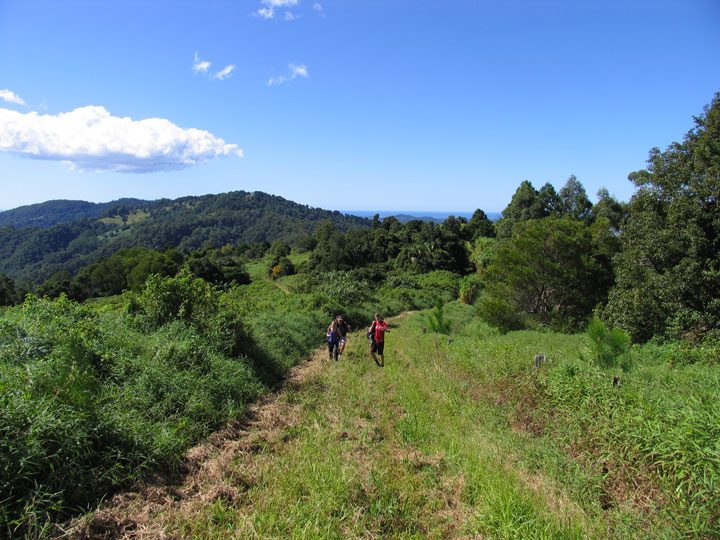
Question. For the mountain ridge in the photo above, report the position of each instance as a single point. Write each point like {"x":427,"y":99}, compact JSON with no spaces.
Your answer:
{"x":34,"y":253}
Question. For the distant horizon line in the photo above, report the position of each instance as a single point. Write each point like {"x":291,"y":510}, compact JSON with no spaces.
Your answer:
{"x":429,"y":213}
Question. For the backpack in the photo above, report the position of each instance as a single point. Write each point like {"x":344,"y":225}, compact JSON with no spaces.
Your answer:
{"x":371,"y":332}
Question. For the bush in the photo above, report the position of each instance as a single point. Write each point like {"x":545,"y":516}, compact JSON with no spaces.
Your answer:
{"x":501,"y":315}
{"x":468,"y":288}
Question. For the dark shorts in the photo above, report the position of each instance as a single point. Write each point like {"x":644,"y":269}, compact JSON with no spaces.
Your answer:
{"x":377,"y":347}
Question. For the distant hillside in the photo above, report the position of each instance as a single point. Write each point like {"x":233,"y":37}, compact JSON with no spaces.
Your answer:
{"x":34,"y":253}
{"x":436,"y":217}
{"x":51,"y":213}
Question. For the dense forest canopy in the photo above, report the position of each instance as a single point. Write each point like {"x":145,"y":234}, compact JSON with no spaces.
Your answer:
{"x":51,"y":213}
{"x":189,"y":223}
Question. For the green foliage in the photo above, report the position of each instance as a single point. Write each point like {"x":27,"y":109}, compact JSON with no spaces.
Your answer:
{"x":8,"y":294}
{"x":574,"y":202}
{"x":343,"y":288}
{"x":553,"y":270}
{"x":668,"y":274}
{"x":281,"y":267}
{"x":189,"y":223}
{"x":608,"y":207}
{"x":436,"y":319}
{"x":609,"y":345}
{"x":480,"y":226}
{"x":220,"y":267}
{"x":497,"y":312}
{"x":468,"y":288}
{"x":50,"y":213}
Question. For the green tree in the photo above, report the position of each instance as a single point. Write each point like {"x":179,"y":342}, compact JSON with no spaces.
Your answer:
{"x":8,"y":294}
{"x":60,"y":283}
{"x":279,"y":248}
{"x":526,"y":204}
{"x":668,"y":274}
{"x":480,"y":226}
{"x":609,"y":207}
{"x":574,"y":202}
{"x":550,"y":200}
{"x":554,"y":270}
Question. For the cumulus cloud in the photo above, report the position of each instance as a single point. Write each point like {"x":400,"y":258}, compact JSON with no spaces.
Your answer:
{"x":11,"y":97}
{"x":200,"y":66}
{"x":294,"y":71}
{"x":90,"y":139}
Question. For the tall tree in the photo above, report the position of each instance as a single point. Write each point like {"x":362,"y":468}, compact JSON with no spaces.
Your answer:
{"x":574,"y":202}
{"x":609,"y":207}
{"x":480,"y":226}
{"x":525,"y":204}
{"x":668,"y":275}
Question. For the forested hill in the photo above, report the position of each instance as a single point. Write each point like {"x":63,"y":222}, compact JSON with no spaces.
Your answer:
{"x":35,"y":253}
{"x":51,"y":213}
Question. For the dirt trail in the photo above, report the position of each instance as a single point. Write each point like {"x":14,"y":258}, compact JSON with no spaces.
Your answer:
{"x":204,"y":479}
{"x":209,"y":471}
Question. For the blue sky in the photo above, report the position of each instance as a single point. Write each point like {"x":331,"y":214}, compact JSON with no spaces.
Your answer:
{"x":410,"y":105}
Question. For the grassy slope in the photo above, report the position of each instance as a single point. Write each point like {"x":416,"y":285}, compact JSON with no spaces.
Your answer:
{"x":452,"y":439}
{"x":413,"y":450}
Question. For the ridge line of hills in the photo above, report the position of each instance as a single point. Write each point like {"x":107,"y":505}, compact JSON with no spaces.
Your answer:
{"x":40,"y":239}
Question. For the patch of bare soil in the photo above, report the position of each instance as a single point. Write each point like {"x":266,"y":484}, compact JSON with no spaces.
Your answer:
{"x":210,"y":472}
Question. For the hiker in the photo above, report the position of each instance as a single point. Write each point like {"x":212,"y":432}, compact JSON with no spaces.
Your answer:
{"x":377,"y":335}
{"x":344,"y":328}
{"x":333,"y":340}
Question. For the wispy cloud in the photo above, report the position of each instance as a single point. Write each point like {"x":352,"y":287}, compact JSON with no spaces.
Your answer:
{"x":317,"y":6}
{"x":294,"y":71}
{"x":90,"y":139}
{"x":200,"y":66}
{"x":268,"y":12}
{"x":11,"y":97}
{"x":224,"y":73}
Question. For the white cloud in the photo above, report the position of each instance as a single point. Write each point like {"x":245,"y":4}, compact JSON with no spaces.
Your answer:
{"x":11,"y":97}
{"x":294,"y":71}
{"x":90,"y":139}
{"x":317,"y":6}
{"x":298,"y":71}
{"x":224,"y":73}
{"x":200,"y":66}
{"x":280,"y":3}
{"x":266,"y":13}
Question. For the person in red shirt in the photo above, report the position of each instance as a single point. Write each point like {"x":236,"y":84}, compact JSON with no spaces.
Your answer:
{"x":378,"y":329}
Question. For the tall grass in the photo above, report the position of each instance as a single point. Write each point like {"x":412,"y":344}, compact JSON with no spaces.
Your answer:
{"x":94,"y":396}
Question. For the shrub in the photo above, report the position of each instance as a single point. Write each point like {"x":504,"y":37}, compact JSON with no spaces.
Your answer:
{"x":609,"y":345}
{"x":500,"y":314}
{"x":468,"y":288}
{"x":436,"y":319}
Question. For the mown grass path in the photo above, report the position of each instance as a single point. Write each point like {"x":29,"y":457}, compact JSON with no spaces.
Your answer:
{"x":350,"y":450}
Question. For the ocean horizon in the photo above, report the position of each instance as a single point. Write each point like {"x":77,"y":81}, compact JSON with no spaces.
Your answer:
{"x":420,"y":214}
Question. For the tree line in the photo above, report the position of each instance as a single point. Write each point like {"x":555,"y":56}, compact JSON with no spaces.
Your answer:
{"x":650,"y":266}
